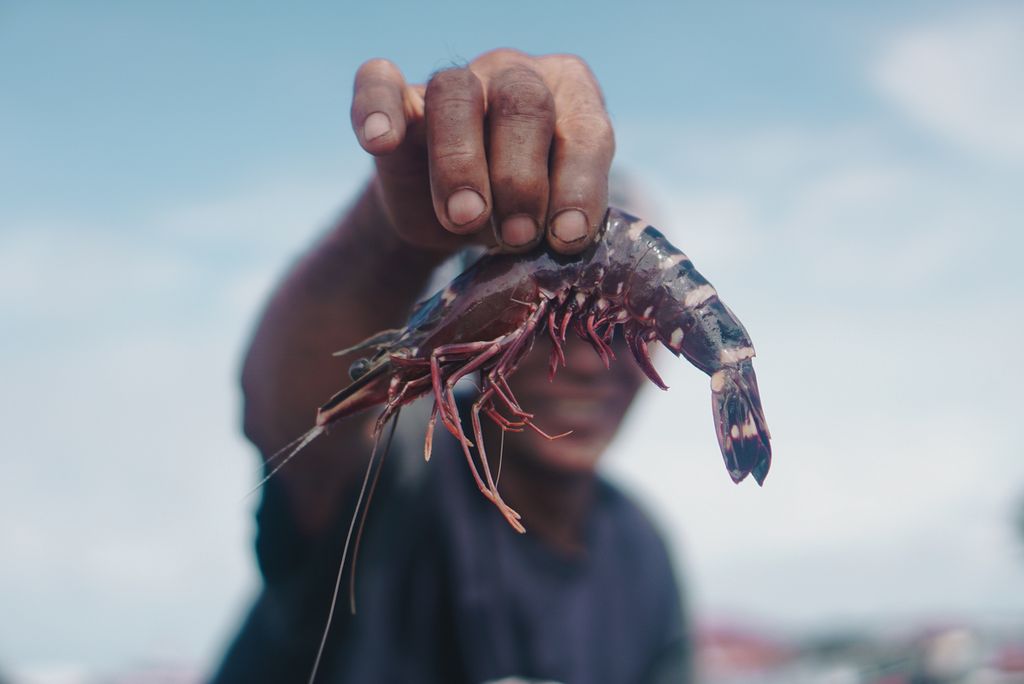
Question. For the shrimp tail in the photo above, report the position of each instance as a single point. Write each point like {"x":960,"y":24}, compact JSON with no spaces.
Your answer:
{"x":739,"y":422}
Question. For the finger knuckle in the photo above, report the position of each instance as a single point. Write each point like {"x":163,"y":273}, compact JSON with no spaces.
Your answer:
{"x":452,"y":120}
{"x":572,"y":65}
{"x":447,"y":81}
{"x":580,"y":185}
{"x":588,"y":128}
{"x":502,"y":55}
{"x":457,"y":160}
{"x":518,"y":187}
{"x":455,"y":153}
{"x":520,"y":92}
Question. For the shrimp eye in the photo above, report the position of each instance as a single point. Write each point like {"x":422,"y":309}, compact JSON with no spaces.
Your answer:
{"x":358,"y":368}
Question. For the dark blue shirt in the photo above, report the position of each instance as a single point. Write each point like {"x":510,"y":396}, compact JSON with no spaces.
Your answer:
{"x":447,"y":592}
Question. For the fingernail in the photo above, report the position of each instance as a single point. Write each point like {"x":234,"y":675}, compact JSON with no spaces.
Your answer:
{"x":518,"y":230}
{"x":464,"y":206}
{"x":570,"y":225}
{"x":376,"y":125}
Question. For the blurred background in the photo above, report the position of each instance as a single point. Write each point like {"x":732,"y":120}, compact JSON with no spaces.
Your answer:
{"x":848,"y":175}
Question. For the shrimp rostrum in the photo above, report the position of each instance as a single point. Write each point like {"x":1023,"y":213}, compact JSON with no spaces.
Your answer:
{"x":487,"y":320}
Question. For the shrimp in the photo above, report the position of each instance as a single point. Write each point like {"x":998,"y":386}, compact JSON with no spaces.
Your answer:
{"x":487,"y":319}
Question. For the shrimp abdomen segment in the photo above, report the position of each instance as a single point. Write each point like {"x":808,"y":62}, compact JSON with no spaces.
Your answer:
{"x":667,"y":291}
{"x":666,"y":296}
{"x":709,"y":335}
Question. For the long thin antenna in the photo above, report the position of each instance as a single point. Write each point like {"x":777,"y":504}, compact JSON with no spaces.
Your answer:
{"x":366,"y":511}
{"x":296,"y":446}
{"x":501,"y":456}
{"x":273,"y":457}
{"x":344,"y":553}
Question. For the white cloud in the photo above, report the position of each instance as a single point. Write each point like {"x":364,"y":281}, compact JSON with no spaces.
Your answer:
{"x":963,"y":78}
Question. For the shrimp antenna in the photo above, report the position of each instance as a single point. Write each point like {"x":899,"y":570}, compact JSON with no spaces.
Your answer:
{"x":366,"y":511}
{"x":280,"y":452}
{"x":501,"y":455}
{"x":348,"y":539}
{"x":292,"y":448}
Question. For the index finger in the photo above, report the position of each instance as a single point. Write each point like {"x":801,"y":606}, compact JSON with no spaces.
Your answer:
{"x":378,"y":116}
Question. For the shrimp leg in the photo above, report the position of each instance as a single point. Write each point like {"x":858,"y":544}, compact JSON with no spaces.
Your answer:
{"x":485,"y":352}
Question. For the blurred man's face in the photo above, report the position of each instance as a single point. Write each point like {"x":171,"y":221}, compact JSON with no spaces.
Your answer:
{"x":584,"y":397}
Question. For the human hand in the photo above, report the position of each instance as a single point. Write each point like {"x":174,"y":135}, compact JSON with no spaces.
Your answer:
{"x":521,"y":143}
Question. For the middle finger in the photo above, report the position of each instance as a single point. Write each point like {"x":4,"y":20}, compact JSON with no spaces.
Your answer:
{"x":521,"y":121}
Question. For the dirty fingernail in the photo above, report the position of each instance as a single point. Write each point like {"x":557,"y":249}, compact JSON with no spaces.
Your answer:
{"x":518,"y":230}
{"x":464,"y":206}
{"x":376,"y":125}
{"x":570,"y":225}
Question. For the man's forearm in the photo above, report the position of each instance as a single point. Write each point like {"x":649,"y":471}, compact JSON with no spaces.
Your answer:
{"x":358,"y":279}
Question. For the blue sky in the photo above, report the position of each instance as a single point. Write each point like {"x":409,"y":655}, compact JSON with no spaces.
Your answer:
{"x":847,"y":175}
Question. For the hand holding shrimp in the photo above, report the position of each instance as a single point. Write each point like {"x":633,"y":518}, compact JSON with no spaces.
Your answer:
{"x":523,"y":144}
{"x":543,"y":178}
{"x":518,"y":142}
{"x":528,"y":137}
